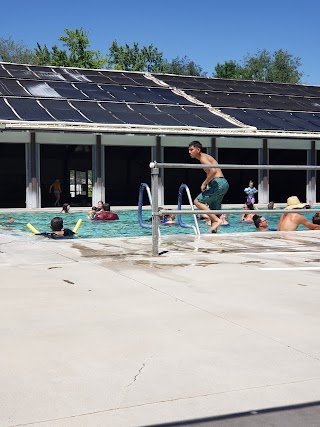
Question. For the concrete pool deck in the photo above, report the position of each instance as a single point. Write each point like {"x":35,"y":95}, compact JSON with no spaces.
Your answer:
{"x":100,"y":333}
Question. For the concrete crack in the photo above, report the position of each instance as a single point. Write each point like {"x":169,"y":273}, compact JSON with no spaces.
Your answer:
{"x":125,"y":388}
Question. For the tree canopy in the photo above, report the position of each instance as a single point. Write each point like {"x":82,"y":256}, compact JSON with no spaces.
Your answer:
{"x":18,"y":52}
{"x":77,"y":53}
{"x":279,"y":66}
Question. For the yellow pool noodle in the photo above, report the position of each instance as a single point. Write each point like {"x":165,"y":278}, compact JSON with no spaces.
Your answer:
{"x":34,"y":230}
{"x":76,"y":228}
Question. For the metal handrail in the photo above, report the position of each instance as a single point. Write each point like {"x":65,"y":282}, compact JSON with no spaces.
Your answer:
{"x":143,"y":186}
{"x":154,"y":166}
{"x":181,"y":223}
{"x":228,"y":166}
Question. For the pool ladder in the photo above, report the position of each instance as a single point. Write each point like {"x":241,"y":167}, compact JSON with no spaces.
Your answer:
{"x":145,"y":187}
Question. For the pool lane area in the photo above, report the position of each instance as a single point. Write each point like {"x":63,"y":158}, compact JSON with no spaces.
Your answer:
{"x":99,"y":332}
{"x":127,"y":225}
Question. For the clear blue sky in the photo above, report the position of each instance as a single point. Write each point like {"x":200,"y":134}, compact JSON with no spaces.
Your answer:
{"x":207,"y":31}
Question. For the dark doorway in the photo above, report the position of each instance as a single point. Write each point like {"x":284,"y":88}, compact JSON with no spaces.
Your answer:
{"x":72,"y":164}
{"x":12,"y":176}
{"x":173,"y":178}
{"x":286,"y":183}
{"x":239,"y":178}
{"x":125,"y":169}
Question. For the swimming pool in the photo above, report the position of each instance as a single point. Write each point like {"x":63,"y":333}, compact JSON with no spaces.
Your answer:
{"x":126,"y":226}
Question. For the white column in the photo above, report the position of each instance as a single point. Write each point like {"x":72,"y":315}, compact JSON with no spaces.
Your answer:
{"x":33,"y":193}
{"x":263,"y":174}
{"x":98,"y":173}
{"x":311,"y":175}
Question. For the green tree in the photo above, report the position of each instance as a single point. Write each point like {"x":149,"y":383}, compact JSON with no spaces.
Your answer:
{"x":18,"y":52}
{"x":280,"y":66}
{"x":147,"y":58}
{"x":77,"y":53}
{"x":228,"y":70}
{"x":183,"y":66}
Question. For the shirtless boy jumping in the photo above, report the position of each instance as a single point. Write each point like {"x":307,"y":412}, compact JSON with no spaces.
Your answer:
{"x":213,"y":188}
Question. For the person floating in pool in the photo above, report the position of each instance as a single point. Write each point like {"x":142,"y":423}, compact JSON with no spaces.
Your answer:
{"x":57,"y":191}
{"x":250,"y":191}
{"x":213,"y":188}
{"x":169,"y":220}
{"x":57,"y":229}
{"x":291,"y":221}
{"x":105,"y":214}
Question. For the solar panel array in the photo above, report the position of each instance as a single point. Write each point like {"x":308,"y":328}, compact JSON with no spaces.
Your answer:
{"x":51,"y":94}
{"x":44,"y":94}
{"x":264,"y":105}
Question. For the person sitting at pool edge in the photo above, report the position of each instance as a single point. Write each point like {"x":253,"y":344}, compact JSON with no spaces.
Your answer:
{"x":105,"y":214}
{"x":260,"y":222}
{"x":56,"y":226}
{"x":291,"y":221}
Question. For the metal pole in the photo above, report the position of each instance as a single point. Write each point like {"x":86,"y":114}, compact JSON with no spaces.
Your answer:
{"x":155,"y":208}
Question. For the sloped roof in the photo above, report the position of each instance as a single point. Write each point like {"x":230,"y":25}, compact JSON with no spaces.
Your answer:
{"x":34,"y":97}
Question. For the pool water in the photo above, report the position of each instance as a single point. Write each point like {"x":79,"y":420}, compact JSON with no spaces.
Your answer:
{"x":126,"y":226}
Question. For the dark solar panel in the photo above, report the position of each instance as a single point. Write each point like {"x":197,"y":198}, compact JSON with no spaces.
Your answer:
{"x":209,"y":118}
{"x":140,"y":79}
{"x":6,"y":113}
{"x":9,"y":87}
{"x":125,"y":114}
{"x":247,"y":117}
{"x":72,"y":75}
{"x":62,"y":111}
{"x":49,"y":75}
{"x":3,"y":72}
{"x":20,"y":71}
{"x":171,"y":97}
{"x":191,"y":116}
{"x":312,"y":118}
{"x":67,"y":90}
{"x":95,"y":113}
{"x":120,"y":78}
{"x":270,"y":120}
{"x":97,"y":77}
{"x":122,"y":93}
{"x":93,"y":91}
{"x":156,"y":116}
{"x":297,"y":123}
{"x":29,"y":109}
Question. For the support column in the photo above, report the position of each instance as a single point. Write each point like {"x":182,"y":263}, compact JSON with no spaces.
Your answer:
{"x":33,"y":194}
{"x":214,"y":149}
{"x":98,"y":175}
{"x":158,"y":155}
{"x":311,"y":174}
{"x":263,"y":174}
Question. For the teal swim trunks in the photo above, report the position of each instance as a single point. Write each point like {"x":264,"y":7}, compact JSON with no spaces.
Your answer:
{"x":214,"y":193}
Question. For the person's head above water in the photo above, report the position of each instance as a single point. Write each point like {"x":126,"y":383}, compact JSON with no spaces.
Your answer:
{"x":316,"y":218}
{"x":56,"y":224}
{"x":260,"y":222}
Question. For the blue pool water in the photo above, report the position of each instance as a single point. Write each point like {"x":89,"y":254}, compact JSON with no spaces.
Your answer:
{"x":126,"y":226}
